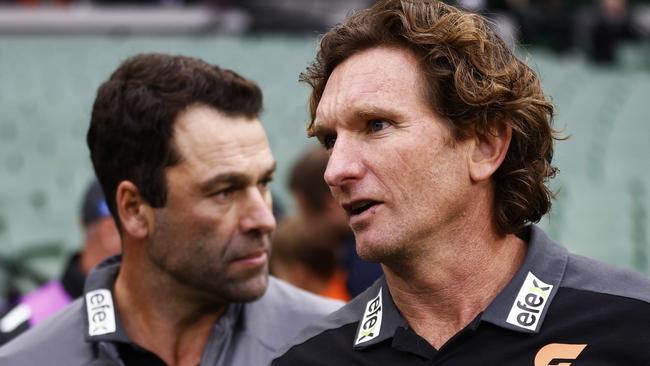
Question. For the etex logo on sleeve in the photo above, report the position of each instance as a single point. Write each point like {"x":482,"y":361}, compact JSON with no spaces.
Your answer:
{"x":530,"y":303}
{"x":370,"y":325}
{"x":101,"y":314}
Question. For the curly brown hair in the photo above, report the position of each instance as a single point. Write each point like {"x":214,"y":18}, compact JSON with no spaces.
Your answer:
{"x":474,"y":82}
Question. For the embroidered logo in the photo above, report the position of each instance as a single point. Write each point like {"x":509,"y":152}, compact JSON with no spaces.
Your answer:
{"x":101,"y":315}
{"x":371,"y":323}
{"x":558,"y":354}
{"x":530,"y":303}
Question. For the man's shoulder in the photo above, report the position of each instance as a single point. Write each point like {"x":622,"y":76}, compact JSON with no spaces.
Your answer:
{"x":60,"y":338}
{"x":333,"y":333}
{"x":33,"y":308}
{"x":590,"y":275}
{"x":285,"y":297}
{"x":283,"y":311}
{"x":589,"y":279}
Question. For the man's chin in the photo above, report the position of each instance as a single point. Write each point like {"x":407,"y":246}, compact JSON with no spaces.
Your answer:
{"x":375,"y":248}
{"x":369,"y":251}
{"x":246,"y":290}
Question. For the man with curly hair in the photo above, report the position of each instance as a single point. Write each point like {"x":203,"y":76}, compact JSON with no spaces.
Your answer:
{"x":440,"y":143}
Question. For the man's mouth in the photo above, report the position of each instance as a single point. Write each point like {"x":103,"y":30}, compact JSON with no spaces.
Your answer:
{"x":252,"y":259}
{"x":358,"y":207}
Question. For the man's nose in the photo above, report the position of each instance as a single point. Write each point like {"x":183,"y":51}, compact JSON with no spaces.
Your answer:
{"x":345,"y":163}
{"x":258,"y":215}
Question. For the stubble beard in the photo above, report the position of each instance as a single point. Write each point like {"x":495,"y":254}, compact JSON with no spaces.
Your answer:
{"x":202,"y":270}
{"x":379,"y":249}
{"x":389,"y":245}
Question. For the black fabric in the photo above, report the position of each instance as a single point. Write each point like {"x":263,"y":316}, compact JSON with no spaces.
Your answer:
{"x":406,"y":340}
{"x":614,"y":329}
{"x":73,"y":278}
{"x":575,"y":311}
{"x":132,"y":355}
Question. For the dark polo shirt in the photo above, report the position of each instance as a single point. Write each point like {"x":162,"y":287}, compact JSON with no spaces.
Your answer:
{"x":559,"y":309}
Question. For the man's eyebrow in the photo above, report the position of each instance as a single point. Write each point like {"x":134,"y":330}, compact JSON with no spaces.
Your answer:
{"x":374,"y":112}
{"x":317,"y":128}
{"x":362,"y":113}
{"x":233,"y":178}
{"x":269,"y":172}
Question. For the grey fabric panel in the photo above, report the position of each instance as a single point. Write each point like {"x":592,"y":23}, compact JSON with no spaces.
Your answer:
{"x":58,"y":340}
{"x":283,"y":312}
{"x":545,"y":259}
{"x":268,"y":324}
{"x":588,"y":274}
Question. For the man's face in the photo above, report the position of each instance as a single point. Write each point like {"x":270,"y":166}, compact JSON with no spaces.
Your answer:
{"x":213,"y":233}
{"x":394,"y":165}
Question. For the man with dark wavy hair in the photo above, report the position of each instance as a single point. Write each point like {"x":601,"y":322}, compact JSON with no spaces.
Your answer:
{"x":178,"y":148}
{"x":440,"y":144}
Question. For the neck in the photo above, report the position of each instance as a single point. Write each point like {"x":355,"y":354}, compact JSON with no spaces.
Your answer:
{"x":453,"y":279}
{"x":175,"y":325}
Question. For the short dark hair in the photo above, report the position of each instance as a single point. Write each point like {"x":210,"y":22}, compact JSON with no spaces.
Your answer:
{"x":472,"y":80}
{"x":306,"y":179}
{"x":131,"y":128}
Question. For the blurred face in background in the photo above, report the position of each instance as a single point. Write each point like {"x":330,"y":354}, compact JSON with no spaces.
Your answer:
{"x":330,"y":219}
{"x":315,"y":203}
{"x":104,"y":232}
{"x":213,"y":234}
{"x":394,"y":166}
{"x":102,"y":240}
{"x":614,"y":9}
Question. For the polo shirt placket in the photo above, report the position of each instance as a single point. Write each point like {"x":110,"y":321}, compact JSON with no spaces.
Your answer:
{"x":113,"y":342}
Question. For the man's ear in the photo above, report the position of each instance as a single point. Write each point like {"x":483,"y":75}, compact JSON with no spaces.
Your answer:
{"x":136,"y":215}
{"x":486,"y":153}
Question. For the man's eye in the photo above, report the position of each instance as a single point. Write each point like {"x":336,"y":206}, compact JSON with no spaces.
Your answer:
{"x":376,"y":125}
{"x":266,"y":182}
{"x":328,"y":141}
{"x":224,"y":193}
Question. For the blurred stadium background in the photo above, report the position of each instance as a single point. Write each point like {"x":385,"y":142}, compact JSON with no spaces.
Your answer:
{"x":54,"y":55}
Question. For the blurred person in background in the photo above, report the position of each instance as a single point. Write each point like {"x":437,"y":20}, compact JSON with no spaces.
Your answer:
{"x":178,"y":148}
{"x":441,"y":144}
{"x":612,"y":25}
{"x":101,"y":240}
{"x":549,"y":23}
{"x":323,"y":216}
{"x":308,"y":259}
{"x":296,"y":16}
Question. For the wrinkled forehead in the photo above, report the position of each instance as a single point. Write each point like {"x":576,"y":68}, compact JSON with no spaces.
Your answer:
{"x":370,"y":79}
{"x":203,"y":135}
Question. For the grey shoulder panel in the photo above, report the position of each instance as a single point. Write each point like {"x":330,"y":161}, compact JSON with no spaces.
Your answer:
{"x":59,"y":339}
{"x":584,"y":273}
{"x":283,"y":311}
{"x":286,"y":296}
